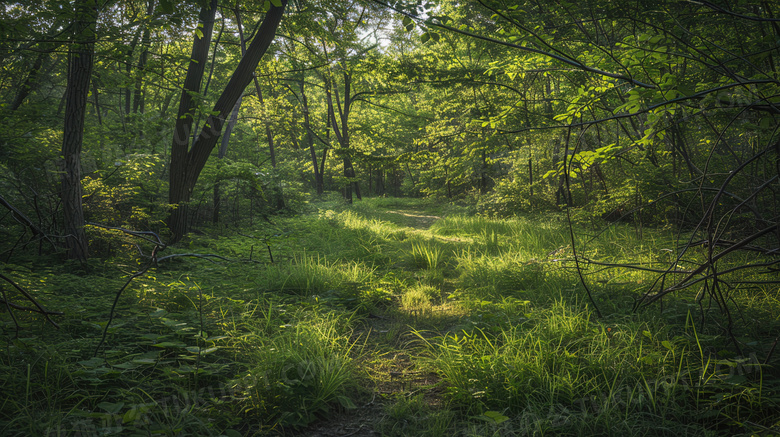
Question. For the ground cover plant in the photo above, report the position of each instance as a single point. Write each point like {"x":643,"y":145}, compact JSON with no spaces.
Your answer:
{"x":396,"y":317}
{"x":394,"y":217}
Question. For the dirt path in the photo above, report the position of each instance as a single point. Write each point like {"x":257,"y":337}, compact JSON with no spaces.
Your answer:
{"x":387,"y":358}
{"x":416,"y":220}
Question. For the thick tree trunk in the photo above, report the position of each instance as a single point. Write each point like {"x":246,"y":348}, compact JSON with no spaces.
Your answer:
{"x":80,"y":62}
{"x":186,"y":165}
{"x":178,"y":195}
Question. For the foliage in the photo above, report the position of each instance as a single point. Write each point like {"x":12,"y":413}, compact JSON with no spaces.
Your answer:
{"x":500,"y":338}
{"x":625,"y":151}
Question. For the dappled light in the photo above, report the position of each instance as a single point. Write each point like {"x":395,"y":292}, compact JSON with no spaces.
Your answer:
{"x":353,"y":218}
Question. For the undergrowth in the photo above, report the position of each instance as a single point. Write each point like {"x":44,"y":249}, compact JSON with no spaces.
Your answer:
{"x":409,"y":316}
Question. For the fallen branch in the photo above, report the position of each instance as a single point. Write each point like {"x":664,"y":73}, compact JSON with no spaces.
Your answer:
{"x":140,"y":234}
{"x":29,"y":297}
{"x":119,"y":293}
{"x":22,"y":219}
{"x":205,"y":256}
{"x":30,"y":309}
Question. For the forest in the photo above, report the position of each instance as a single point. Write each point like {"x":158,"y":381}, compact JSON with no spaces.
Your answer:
{"x":389,"y":218}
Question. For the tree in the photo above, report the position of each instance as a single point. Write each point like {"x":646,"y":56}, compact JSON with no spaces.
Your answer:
{"x":187,"y":162}
{"x":80,"y":62}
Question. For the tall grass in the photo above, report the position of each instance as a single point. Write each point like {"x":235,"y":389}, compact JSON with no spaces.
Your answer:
{"x":515,"y":349}
{"x":426,"y":255}
{"x":597,"y":379}
{"x":528,"y":238}
{"x":309,"y":275}
{"x":484,"y":276}
{"x":302,"y":369}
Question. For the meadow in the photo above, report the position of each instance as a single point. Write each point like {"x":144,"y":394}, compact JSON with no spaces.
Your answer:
{"x":393,"y":317}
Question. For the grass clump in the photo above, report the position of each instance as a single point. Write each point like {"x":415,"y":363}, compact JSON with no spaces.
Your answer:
{"x":341,"y":283}
{"x":420,"y":299}
{"x":301,"y":370}
{"x":427,"y":256}
{"x":413,"y":416}
{"x":562,"y":372}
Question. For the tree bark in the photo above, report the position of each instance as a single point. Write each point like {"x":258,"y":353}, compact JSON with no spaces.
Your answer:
{"x":342,"y":132}
{"x":178,"y":195}
{"x":318,"y":182}
{"x":278,"y":196}
{"x":80,"y":63}
{"x":186,"y":165}
{"x":31,"y":82}
{"x":138,"y":97}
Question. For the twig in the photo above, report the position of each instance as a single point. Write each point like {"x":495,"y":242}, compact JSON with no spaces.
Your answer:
{"x":119,"y":293}
{"x":196,"y":255}
{"x":13,"y":316}
{"x":632,"y":266}
{"x":771,"y":351}
{"x":571,"y":228}
{"x":22,"y":219}
{"x":41,"y":309}
{"x":139,"y":234}
{"x":158,"y":246}
{"x":29,"y":309}
{"x":683,"y":283}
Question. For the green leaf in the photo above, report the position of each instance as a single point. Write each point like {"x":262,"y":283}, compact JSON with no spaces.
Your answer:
{"x":199,"y":350}
{"x":110,"y":407}
{"x":92,"y":362}
{"x":131,"y":415}
{"x":425,"y":37}
{"x":170,"y":344}
{"x":199,"y":33}
{"x":346,"y":402}
{"x":159,"y":313}
{"x":494,"y":417}
{"x":277,"y":3}
{"x":667,"y":344}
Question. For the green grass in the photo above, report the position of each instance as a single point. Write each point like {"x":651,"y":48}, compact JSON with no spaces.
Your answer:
{"x":299,"y":369}
{"x":472,"y":326}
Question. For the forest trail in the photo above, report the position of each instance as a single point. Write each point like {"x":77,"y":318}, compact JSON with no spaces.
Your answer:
{"x":390,"y":340}
{"x":414,"y":219}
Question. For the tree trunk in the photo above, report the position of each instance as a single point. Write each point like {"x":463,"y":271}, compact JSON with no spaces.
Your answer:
{"x":187,"y":165}
{"x":31,"y":82}
{"x":310,"y":139}
{"x":80,"y":62}
{"x":342,"y":132}
{"x":178,"y":196}
{"x":138,"y":97}
{"x":221,"y":154}
{"x":278,"y":196}
{"x":129,"y":73}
